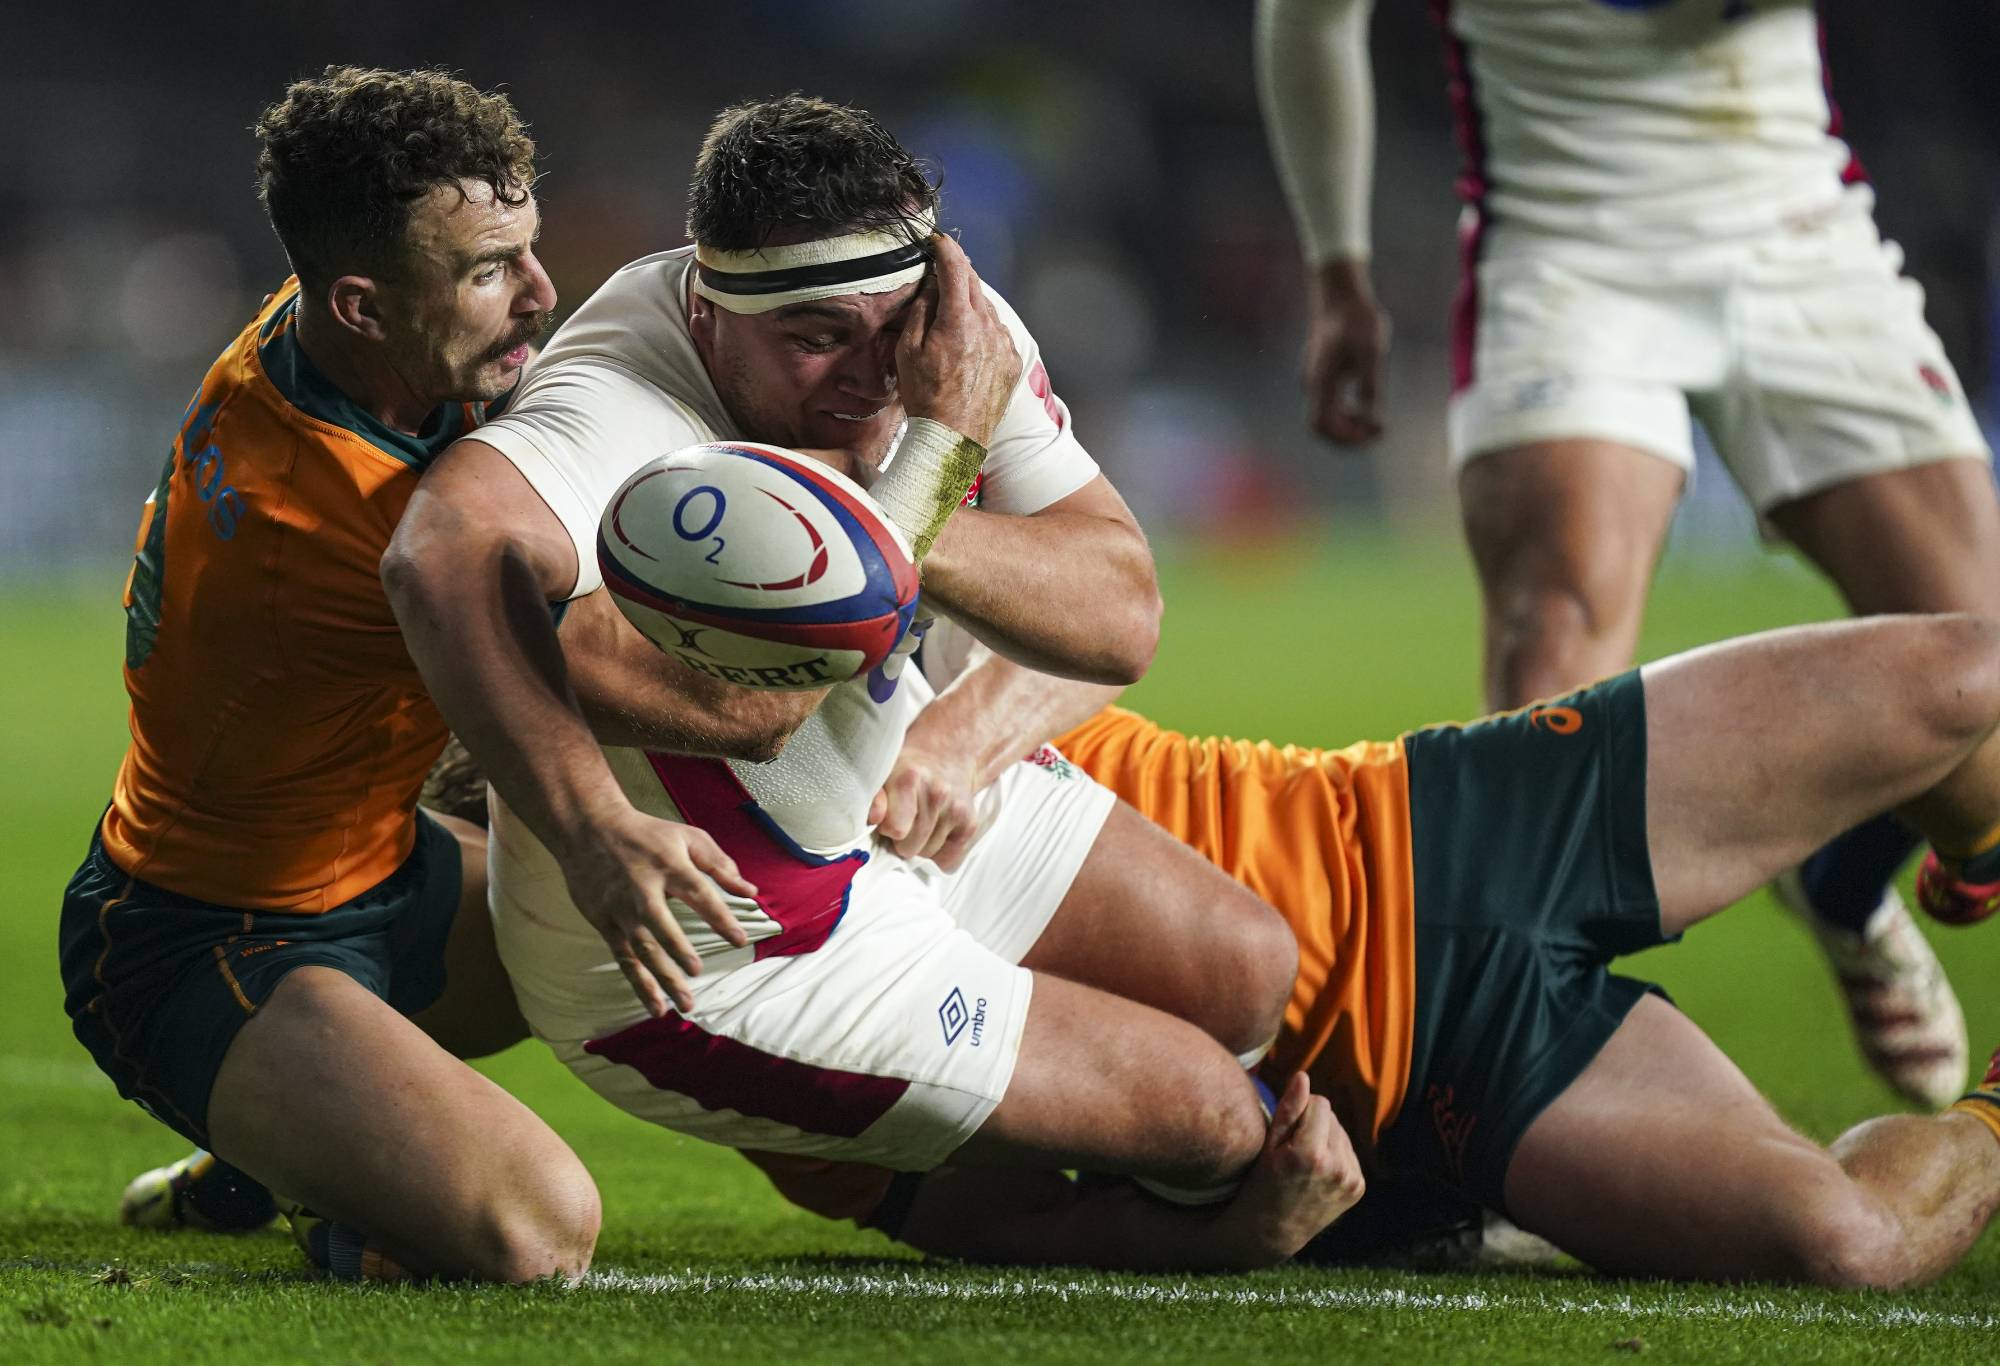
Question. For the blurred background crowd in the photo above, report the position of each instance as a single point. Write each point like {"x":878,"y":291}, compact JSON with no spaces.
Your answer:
{"x":1103,"y":161}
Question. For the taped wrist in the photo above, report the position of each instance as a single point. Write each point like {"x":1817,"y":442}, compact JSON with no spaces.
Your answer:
{"x":927,"y":478}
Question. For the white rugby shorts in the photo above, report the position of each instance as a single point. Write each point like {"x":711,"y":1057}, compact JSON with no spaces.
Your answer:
{"x":890,"y":1043}
{"x":1803,"y":352}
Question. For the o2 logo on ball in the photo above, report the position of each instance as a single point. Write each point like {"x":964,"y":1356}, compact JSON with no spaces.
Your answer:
{"x":714,"y":520}
{"x":758,"y":567}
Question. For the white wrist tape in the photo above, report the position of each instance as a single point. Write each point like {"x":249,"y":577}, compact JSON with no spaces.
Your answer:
{"x":925,"y":479}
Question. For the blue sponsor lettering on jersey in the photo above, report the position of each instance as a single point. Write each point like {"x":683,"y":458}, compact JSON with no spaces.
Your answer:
{"x":203,"y":459}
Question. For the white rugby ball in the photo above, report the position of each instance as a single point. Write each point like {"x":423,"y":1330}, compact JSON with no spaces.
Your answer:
{"x":757,"y":566}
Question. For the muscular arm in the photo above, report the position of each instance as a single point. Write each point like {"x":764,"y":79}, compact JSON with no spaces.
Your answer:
{"x":634,"y":693}
{"x":996,"y":711}
{"x":991,"y":715}
{"x":1069,"y":590}
{"x":470,"y":572}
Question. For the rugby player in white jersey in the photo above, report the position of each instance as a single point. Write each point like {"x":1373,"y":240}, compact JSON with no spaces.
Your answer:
{"x":865,"y":980}
{"x":1662,"y":221}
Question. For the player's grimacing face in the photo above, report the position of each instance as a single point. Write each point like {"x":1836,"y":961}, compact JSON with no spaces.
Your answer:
{"x":811,"y":375}
{"x":473,"y":295}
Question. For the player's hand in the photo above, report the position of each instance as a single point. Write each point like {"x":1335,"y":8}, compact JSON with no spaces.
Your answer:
{"x":1306,"y":1177}
{"x":955,"y":362}
{"x":926,"y":808}
{"x":621,"y":873}
{"x":1347,"y":338}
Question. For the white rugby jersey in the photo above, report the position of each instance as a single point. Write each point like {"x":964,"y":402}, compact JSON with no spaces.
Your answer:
{"x":620,"y":383}
{"x":1644,"y":122}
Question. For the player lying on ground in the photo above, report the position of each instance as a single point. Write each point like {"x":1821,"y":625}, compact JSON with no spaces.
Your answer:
{"x":1457,"y":895}
{"x":1644,"y":240}
{"x":995,"y":1013}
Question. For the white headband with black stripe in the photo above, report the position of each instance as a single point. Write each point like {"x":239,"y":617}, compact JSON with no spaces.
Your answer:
{"x":873,"y":262}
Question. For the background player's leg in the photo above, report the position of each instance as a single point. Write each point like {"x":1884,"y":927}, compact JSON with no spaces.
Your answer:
{"x":332,"y":1097}
{"x":1759,"y":749}
{"x":1925,"y":539}
{"x":1150,"y":920}
{"x":1661,"y":1159}
{"x":1565,"y":535}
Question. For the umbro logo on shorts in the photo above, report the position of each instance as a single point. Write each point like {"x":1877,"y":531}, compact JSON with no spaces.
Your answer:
{"x":953,"y":1015}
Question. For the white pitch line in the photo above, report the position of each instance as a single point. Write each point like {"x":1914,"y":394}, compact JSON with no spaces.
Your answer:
{"x":921,"y":1287}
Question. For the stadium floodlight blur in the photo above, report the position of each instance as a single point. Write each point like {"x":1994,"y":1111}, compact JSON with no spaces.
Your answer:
{"x":1109,"y":174}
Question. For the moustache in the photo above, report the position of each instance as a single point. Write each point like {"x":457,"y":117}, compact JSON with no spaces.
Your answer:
{"x":529,"y":331}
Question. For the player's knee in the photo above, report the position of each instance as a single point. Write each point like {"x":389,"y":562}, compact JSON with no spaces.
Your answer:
{"x":1956,"y":662}
{"x":1846,"y":1240}
{"x":547,"y":1228}
{"x":1224,"y":1126}
{"x":1267,"y":966}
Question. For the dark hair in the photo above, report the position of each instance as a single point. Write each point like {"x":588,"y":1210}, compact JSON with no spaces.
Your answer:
{"x":346,"y":155}
{"x":800,"y":161}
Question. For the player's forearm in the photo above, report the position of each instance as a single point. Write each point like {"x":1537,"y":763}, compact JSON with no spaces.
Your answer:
{"x":1318,"y":95}
{"x":1016,"y":1218}
{"x":1069,"y":593}
{"x":475,"y":618}
{"x":634,"y":693}
{"x":997,"y":711}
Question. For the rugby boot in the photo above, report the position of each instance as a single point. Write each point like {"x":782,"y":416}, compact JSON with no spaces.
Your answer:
{"x":337,"y":1250}
{"x":1906,"y":1017}
{"x":1958,"y":893}
{"x":196,"y":1192}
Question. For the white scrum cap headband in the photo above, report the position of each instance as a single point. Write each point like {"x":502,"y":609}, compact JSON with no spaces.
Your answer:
{"x":873,"y":262}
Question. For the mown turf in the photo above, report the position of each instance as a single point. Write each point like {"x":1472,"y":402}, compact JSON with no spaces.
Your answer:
{"x":1355,"y":636}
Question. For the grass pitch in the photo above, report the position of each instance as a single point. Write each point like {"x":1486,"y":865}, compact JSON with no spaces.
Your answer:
{"x":699,"y":1261}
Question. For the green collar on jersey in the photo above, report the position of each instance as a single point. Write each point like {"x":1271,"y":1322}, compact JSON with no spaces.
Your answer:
{"x":312,"y":393}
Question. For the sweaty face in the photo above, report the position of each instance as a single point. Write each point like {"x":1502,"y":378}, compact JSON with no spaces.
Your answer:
{"x":810,"y":375}
{"x":471,"y":297}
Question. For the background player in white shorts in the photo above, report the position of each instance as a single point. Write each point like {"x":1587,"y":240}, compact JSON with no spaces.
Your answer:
{"x":1035,"y":1002}
{"x":1661,"y":221}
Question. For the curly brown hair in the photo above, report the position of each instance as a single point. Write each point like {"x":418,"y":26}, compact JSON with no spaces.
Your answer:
{"x":344,"y":157}
{"x":796,"y":160}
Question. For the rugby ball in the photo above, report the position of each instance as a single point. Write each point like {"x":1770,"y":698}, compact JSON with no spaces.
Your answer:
{"x":757,"y":566}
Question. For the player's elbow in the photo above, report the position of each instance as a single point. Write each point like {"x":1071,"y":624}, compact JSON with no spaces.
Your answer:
{"x":758,"y":744}
{"x":1121,"y":613}
{"x":404,"y":585}
{"x":756,"y":728}
{"x":413,"y":549}
{"x":1134,"y":647}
